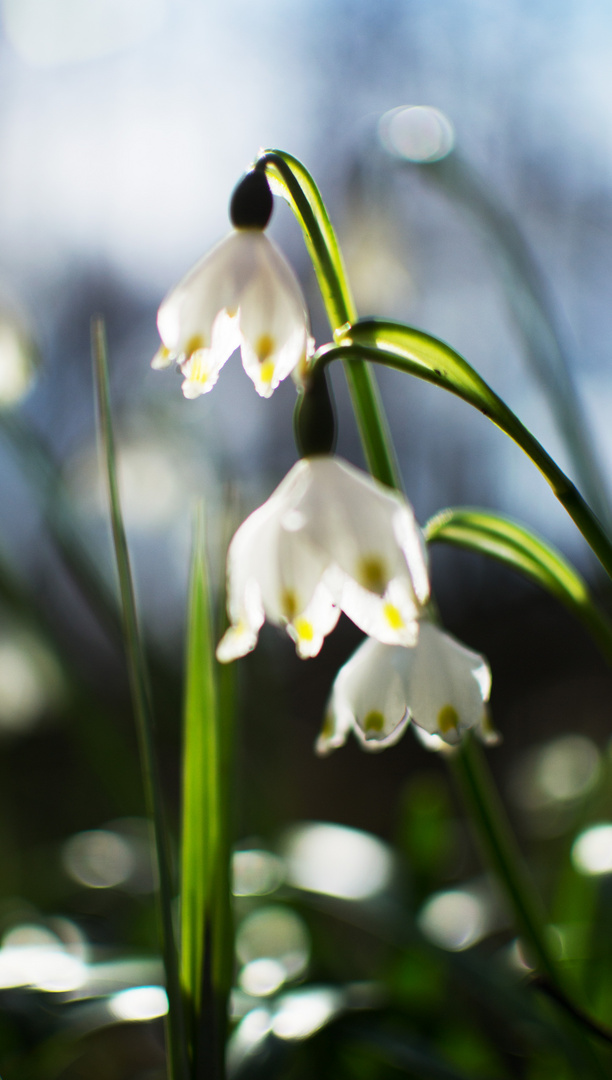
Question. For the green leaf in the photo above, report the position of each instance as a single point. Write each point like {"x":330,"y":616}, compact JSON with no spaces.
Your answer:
{"x":206,"y":947}
{"x":141,"y":698}
{"x":518,"y":547}
{"x":545,"y":348}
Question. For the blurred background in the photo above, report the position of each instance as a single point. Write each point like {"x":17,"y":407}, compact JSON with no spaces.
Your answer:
{"x":465,"y":156}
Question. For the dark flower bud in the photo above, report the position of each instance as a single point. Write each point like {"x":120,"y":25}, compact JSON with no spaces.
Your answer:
{"x":252,"y":202}
{"x":314,"y":419}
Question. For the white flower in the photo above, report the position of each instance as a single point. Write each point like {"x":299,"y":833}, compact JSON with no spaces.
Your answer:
{"x":243,"y":293}
{"x":439,"y":684}
{"x":329,"y":538}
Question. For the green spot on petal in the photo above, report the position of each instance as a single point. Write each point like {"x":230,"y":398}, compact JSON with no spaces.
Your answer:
{"x":194,"y":344}
{"x":448,"y":719}
{"x":373,"y":724}
{"x":372,"y":574}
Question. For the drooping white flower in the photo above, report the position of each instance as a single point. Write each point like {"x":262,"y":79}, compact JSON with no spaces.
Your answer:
{"x":330,"y":538}
{"x":439,"y":684}
{"x":242,"y":294}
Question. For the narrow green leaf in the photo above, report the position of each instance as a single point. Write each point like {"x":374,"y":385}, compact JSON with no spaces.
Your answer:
{"x":545,"y":343}
{"x":205,"y":909}
{"x":139,"y":683}
{"x":518,"y":547}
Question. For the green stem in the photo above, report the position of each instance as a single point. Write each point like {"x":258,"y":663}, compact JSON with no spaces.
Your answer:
{"x":141,"y":697}
{"x":499,"y":844}
{"x":297,"y":186}
{"x":497,"y":411}
{"x":302,"y":194}
{"x":306,"y":202}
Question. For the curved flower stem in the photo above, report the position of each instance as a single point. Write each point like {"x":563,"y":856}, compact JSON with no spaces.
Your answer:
{"x":480,"y":395}
{"x":293,"y":183}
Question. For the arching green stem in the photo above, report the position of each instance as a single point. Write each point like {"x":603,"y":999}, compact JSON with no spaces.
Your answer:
{"x":293,"y":183}
{"x":416,"y":353}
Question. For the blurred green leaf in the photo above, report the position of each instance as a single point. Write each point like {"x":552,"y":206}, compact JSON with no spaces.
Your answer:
{"x":141,"y":697}
{"x":518,"y":547}
{"x":541,"y":326}
{"x":427,"y":831}
{"x":206,"y":952}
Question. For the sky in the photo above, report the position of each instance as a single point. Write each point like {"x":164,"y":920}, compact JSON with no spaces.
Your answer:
{"x":124,"y":125}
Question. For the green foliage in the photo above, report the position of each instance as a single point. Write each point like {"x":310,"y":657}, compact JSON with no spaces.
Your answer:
{"x":206,"y":942}
{"x":518,"y":547}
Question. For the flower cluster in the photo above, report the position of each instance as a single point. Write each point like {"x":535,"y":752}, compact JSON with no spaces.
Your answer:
{"x":438,"y":684}
{"x":330,"y":539}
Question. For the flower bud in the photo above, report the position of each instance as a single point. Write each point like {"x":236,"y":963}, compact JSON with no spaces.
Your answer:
{"x":314,"y":419}
{"x":251,"y":203}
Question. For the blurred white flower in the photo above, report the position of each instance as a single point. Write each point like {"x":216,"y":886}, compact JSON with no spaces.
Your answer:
{"x":243,"y":293}
{"x":329,"y":539}
{"x":439,"y":684}
{"x":18,"y":360}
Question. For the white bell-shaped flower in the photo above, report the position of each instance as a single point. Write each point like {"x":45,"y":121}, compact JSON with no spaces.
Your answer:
{"x":439,"y":684}
{"x":330,"y":538}
{"x":243,"y":293}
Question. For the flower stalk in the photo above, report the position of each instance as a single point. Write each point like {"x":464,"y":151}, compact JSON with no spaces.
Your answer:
{"x":297,"y":187}
{"x":299,"y":190}
{"x":405,"y":349}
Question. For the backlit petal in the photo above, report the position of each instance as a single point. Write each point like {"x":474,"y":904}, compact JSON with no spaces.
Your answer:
{"x":243,"y":293}
{"x":326,"y":540}
{"x":368,"y":697}
{"x":439,"y":684}
{"x":446,"y":684}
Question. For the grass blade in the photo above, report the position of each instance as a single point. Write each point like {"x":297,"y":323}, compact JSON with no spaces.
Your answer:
{"x":177,"y":1057}
{"x":206,"y":947}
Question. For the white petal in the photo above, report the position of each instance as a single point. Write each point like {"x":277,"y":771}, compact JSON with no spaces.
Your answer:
{"x":200,"y":374}
{"x":439,"y":684}
{"x":446,"y":684}
{"x":392,"y":618}
{"x":201,"y":369}
{"x":275,"y":572}
{"x":432,"y":742}
{"x":357,"y":518}
{"x":273,"y":319}
{"x":314,"y":623}
{"x":336,"y":726}
{"x":327,"y":538}
{"x":369,"y":533}
{"x":368,"y":696}
{"x":186,"y":316}
{"x":237,"y":641}
{"x":486,"y":732}
{"x":163,"y":358}
{"x":274,"y":362}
